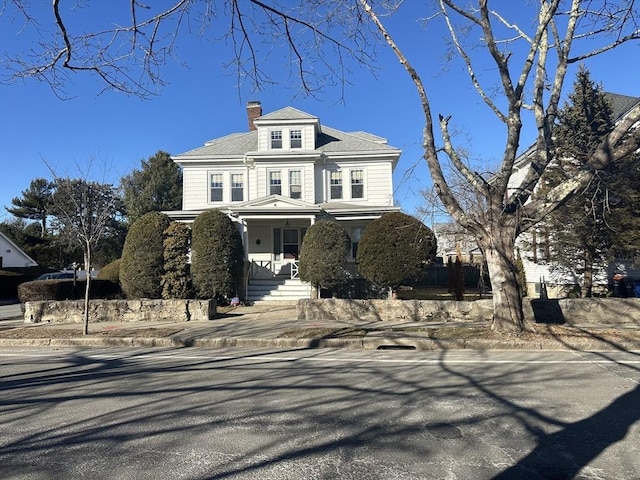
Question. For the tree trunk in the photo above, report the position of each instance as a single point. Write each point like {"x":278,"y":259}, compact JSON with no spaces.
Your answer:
{"x":508,"y":316}
{"x":587,"y":281}
{"x":87,"y":269}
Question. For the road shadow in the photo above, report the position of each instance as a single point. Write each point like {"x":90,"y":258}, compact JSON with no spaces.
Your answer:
{"x":386,"y":414}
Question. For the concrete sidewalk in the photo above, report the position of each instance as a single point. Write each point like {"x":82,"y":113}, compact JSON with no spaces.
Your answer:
{"x":277,"y":326}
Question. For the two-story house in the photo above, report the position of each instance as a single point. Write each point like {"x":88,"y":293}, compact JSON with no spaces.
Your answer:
{"x":282,"y":175}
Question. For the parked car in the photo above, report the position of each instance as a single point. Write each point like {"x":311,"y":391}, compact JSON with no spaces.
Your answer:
{"x":56,"y":276}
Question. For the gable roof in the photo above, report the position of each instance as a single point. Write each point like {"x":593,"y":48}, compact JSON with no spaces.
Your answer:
{"x":287,"y":113}
{"x":28,"y":261}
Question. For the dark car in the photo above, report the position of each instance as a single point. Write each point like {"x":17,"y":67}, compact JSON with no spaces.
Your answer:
{"x":56,"y":276}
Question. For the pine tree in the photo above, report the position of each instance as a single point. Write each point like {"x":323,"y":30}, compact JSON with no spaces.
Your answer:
{"x":155,"y":187}
{"x":580,"y":231}
{"x":35,"y":203}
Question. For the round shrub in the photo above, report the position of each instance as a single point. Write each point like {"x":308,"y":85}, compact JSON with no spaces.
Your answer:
{"x":111,"y":272}
{"x":394,"y":249}
{"x":323,"y":254}
{"x":217,"y":256}
{"x":142,"y":262}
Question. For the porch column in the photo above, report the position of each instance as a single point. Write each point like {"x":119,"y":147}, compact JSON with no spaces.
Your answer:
{"x":245,"y":237}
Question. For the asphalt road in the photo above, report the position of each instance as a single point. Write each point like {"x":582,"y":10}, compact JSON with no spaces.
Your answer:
{"x":318,"y":414}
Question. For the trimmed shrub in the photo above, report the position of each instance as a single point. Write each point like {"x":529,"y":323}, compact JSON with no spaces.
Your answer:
{"x":142,"y":262}
{"x":176,"y":280}
{"x":41,"y":290}
{"x":394,"y":249}
{"x":323,"y":254}
{"x":217,"y":256}
{"x":111,"y":272}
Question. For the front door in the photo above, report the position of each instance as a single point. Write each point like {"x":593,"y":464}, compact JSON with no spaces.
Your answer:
{"x":286,"y":248}
{"x":290,"y":244}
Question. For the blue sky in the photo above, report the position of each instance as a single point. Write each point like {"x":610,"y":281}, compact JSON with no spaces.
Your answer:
{"x":112,"y":132}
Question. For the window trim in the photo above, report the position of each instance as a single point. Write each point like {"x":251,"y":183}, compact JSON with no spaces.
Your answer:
{"x":273,"y":140}
{"x":270,"y":184}
{"x":295,"y":142}
{"x":220,"y":175}
{"x":291,"y":184}
{"x":361,"y":184}
{"x":340,"y":177}
{"x":234,"y":188}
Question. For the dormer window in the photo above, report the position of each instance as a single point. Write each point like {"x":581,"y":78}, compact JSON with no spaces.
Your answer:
{"x":295,"y":137}
{"x":276,"y":139}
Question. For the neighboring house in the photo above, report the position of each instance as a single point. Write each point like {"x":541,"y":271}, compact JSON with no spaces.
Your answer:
{"x":12,"y":256}
{"x":278,"y":179}
{"x":534,"y":245}
{"x":454,"y":241}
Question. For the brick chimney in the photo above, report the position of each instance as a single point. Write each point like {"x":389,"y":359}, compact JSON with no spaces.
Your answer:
{"x":254,"y":110}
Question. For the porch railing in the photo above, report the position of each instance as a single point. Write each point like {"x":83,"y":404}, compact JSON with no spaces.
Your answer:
{"x":265,"y":269}
{"x":261,"y":269}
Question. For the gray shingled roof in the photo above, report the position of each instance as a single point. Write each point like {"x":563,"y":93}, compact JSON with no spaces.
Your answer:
{"x":330,"y":140}
{"x":620,"y":104}
{"x":287,"y":113}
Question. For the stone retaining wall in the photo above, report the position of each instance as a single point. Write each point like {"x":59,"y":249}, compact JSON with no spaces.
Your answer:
{"x":573,"y":311}
{"x":394,"y":310}
{"x":601,"y":311}
{"x":72,"y":311}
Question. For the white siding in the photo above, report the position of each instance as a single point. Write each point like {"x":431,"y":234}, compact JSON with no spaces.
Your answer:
{"x":195,"y":185}
{"x":13,"y":257}
{"x":196,"y":182}
{"x":378,"y":187}
{"x":262,"y":179}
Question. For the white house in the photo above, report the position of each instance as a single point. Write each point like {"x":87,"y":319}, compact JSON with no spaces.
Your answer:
{"x":13,"y":256}
{"x":277,"y":179}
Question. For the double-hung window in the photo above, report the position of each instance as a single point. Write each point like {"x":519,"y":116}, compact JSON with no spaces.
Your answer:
{"x":275,"y":182}
{"x":335,"y":185}
{"x":295,"y":138}
{"x":276,"y":139}
{"x":295,"y":184}
{"x":216,"y":187}
{"x":357,"y":184}
{"x":237,"y":187}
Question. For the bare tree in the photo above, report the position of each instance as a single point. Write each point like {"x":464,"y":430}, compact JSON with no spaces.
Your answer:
{"x":85,"y":211}
{"x":322,"y":37}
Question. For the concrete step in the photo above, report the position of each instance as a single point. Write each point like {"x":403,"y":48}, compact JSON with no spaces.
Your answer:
{"x":286,"y":289}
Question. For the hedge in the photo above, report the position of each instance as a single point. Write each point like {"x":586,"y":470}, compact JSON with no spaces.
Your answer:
{"x":64,"y":290}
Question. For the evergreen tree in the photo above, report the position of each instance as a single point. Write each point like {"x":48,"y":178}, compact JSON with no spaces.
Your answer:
{"x":624,"y":205}
{"x":394,"y":248}
{"x":324,"y":252}
{"x":155,"y":187}
{"x":217,"y":255}
{"x":522,"y":275}
{"x":580,"y":233}
{"x":35,"y":203}
{"x":176,"y":280}
{"x":142,"y":263}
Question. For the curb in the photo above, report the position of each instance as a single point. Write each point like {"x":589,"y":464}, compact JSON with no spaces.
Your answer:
{"x":344,"y":343}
